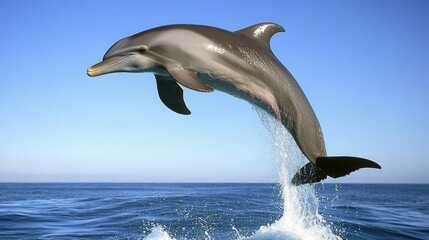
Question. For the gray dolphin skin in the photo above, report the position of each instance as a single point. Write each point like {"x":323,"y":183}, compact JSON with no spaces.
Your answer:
{"x":240,"y":63}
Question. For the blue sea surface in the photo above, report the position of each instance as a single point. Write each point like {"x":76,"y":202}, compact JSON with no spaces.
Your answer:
{"x":204,"y":211}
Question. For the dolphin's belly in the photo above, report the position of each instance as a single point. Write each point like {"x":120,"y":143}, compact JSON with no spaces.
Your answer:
{"x":285,"y":101}
{"x":249,"y":91}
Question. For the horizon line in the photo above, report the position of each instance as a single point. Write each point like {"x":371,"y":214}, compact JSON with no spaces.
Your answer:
{"x":143,"y":182}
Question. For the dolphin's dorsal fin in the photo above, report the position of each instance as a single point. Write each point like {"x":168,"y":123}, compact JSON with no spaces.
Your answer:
{"x":261,"y":33}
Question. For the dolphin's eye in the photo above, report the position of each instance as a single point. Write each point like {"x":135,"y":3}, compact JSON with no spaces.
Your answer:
{"x":141,"y":50}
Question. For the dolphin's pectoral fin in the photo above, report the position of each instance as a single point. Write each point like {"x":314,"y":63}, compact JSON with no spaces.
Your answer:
{"x":171,"y":94}
{"x":261,"y":33}
{"x":188,"y":79}
{"x":331,"y":166}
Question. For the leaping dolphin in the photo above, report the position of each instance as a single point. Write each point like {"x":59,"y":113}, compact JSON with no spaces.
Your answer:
{"x":240,"y":63}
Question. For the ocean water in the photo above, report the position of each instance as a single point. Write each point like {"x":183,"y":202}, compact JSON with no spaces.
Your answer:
{"x":207,"y":211}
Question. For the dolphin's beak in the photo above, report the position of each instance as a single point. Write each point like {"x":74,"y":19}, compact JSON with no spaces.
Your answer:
{"x":108,"y":65}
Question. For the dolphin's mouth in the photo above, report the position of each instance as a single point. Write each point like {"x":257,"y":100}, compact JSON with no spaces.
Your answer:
{"x":105,"y":66}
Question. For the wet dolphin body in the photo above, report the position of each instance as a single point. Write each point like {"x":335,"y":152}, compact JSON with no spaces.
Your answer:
{"x":240,"y":63}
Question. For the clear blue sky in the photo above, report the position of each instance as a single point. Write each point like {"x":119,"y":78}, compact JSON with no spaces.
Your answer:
{"x":364,"y":65}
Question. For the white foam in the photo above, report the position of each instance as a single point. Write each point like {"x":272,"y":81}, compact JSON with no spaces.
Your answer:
{"x":158,"y":233}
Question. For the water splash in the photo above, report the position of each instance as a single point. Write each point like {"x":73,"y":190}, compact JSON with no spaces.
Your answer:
{"x":300,"y":219}
{"x":158,"y":233}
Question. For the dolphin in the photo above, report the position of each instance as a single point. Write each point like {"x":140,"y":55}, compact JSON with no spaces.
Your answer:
{"x":240,"y":63}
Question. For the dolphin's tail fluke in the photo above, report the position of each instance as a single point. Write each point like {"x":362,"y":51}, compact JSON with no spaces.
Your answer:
{"x":330,"y":166}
